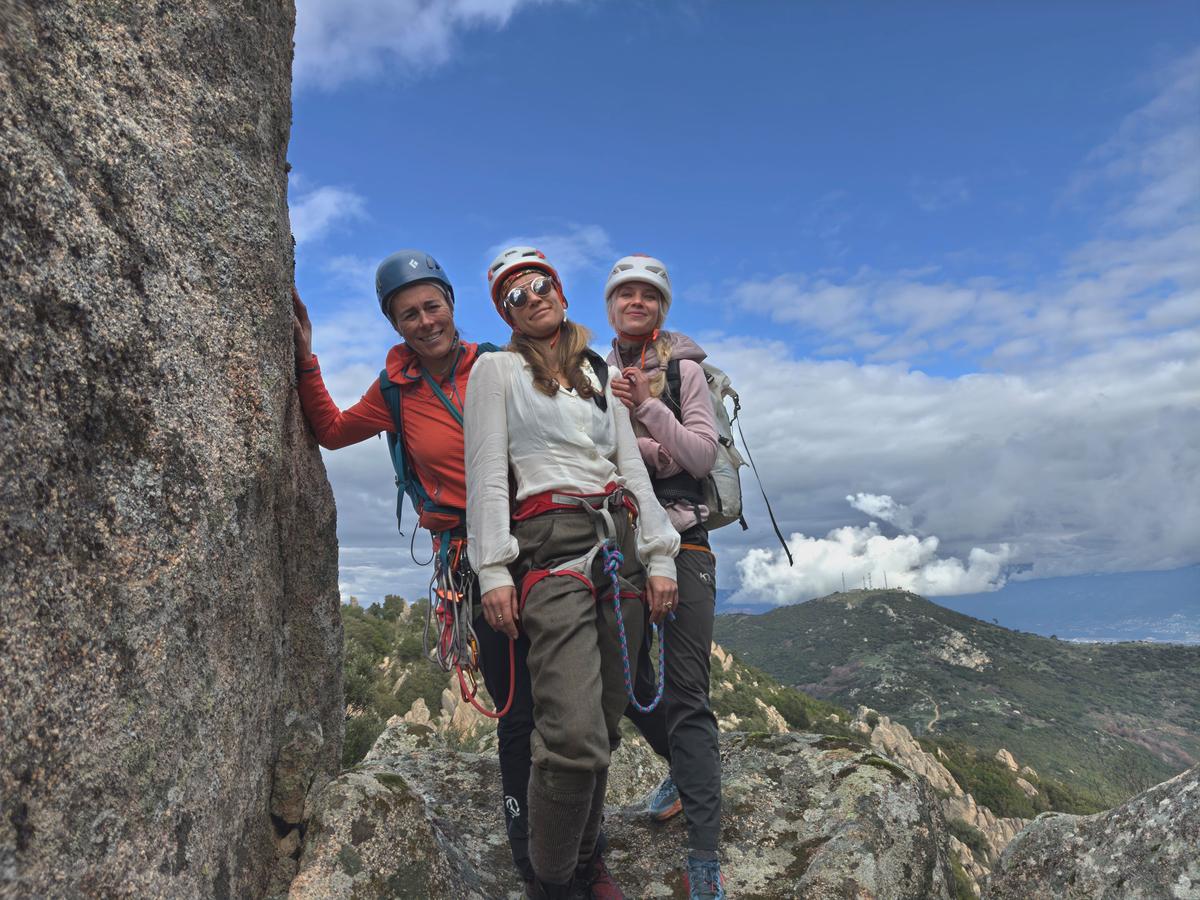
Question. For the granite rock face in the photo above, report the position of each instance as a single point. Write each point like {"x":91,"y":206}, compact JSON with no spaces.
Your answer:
{"x":1146,"y":848}
{"x":169,"y":626}
{"x":805,"y":816}
{"x":896,"y":742}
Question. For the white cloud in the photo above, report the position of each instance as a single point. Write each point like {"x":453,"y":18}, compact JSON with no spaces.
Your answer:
{"x":577,"y":249}
{"x":1155,"y":154}
{"x":316,"y":212}
{"x":371,"y":573}
{"x":339,"y":42}
{"x":881,"y":506}
{"x":850,"y":557}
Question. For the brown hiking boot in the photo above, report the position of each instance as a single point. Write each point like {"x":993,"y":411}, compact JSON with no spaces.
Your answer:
{"x":595,"y":882}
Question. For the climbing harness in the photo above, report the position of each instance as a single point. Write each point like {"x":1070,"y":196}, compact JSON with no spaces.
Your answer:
{"x":599,"y":508}
{"x":448,"y":639}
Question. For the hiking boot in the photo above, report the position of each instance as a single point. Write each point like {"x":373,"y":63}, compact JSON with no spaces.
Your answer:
{"x":704,"y":880}
{"x":664,"y":802}
{"x":595,"y":882}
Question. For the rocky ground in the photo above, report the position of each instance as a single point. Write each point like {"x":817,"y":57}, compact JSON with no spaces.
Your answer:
{"x":1146,"y":849}
{"x":804,"y":816}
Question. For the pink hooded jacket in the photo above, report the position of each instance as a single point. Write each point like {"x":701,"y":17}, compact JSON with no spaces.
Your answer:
{"x":668,"y":445}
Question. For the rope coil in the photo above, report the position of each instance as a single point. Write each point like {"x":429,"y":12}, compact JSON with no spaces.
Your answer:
{"x":457,"y":645}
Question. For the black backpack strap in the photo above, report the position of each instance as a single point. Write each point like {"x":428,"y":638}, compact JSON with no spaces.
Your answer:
{"x":674,"y":392}
{"x":681,"y":486}
{"x":395,"y":440}
{"x":600,"y":367}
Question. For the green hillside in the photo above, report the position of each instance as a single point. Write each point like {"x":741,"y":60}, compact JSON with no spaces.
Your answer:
{"x":385,"y":672}
{"x":1107,"y":720}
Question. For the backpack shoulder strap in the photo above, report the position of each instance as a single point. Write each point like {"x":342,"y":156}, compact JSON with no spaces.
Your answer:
{"x":600,"y":367}
{"x":395,"y":441}
{"x":674,"y":392}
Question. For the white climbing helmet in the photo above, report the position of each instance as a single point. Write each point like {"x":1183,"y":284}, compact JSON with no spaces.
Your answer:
{"x":514,"y":259}
{"x":639,"y":267}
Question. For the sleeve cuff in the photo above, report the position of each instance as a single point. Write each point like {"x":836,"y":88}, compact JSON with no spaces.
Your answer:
{"x":662,"y":567}
{"x":492,"y":577}
{"x":646,"y":407}
{"x":313,"y":366}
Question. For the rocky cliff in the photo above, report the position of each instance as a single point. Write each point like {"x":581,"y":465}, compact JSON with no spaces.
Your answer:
{"x":804,"y":816}
{"x":893,"y":740}
{"x":1146,"y":849}
{"x":169,"y":631}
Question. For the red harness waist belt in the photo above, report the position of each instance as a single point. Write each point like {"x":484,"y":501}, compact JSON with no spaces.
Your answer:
{"x":547,"y":501}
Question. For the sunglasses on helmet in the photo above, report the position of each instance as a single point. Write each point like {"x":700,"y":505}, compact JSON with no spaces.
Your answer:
{"x":519,"y":296}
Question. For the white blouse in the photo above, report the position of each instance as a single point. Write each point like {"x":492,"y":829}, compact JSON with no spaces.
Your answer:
{"x":560,"y":443}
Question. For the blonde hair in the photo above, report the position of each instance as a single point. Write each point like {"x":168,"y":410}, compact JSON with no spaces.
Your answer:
{"x":566,"y":356}
{"x":663,"y":346}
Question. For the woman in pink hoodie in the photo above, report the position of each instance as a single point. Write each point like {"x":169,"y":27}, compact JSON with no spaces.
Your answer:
{"x":662,"y":384}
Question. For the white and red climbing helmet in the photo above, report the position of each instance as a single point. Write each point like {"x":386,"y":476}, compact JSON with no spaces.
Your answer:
{"x":639,"y":267}
{"x":511,"y":261}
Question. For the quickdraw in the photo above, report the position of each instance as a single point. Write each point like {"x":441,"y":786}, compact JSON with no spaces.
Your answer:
{"x":452,"y":644}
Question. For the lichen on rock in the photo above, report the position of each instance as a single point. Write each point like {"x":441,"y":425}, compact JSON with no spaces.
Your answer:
{"x":803,"y":816}
{"x":1145,"y":849}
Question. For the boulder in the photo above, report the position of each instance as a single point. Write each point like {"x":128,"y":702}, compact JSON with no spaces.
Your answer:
{"x":805,"y":816}
{"x":896,"y":742}
{"x":1145,"y":848}
{"x":169,"y":631}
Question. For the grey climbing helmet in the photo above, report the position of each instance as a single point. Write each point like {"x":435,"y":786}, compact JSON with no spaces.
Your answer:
{"x":407,"y":267}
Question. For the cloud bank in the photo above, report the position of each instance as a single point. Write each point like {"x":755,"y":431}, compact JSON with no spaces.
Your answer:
{"x":850,"y":557}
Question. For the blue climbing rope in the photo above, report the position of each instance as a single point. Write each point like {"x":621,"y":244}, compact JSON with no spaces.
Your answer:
{"x":612,"y":565}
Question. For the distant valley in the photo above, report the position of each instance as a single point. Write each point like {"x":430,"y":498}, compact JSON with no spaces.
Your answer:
{"x":1106,"y":719}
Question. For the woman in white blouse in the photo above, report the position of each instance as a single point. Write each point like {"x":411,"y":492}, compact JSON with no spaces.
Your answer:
{"x":548,"y":553}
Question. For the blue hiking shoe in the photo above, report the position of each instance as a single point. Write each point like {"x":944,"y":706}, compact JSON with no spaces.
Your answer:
{"x":664,"y":801}
{"x":704,"y":880}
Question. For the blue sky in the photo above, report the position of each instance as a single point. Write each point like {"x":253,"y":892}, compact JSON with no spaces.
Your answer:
{"x":945,"y":250}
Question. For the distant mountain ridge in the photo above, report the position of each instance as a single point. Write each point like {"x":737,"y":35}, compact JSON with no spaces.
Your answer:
{"x":1121,"y":606}
{"x":1107,"y":719}
{"x":1161,"y":606}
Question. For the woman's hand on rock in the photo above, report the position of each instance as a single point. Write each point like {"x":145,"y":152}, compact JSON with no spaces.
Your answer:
{"x":301,"y":330}
{"x":500,"y":609}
